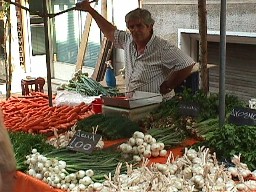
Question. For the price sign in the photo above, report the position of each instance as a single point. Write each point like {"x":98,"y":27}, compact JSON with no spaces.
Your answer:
{"x":84,"y":141}
{"x":189,"y":109}
{"x":243,"y":116}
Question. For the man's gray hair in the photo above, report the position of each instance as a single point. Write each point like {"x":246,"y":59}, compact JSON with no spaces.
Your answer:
{"x":142,"y":14}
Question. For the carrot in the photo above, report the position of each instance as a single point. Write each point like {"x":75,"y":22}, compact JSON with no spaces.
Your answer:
{"x":85,"y":108}
{"x":32,"y":123}
{"x":82,"y":104}
{"x":44,"y":131}
{"x":38,"y":127}
{"x":74,"y":110}
{"x":64,"y":126}
{"x":72,"y":117}
{"x":83,"y":116}
{"x":48,"y":115}
{"x":13,"y":99}
{"x":51,"y":123}
{"x":13,"y":121}
{"x":19,"y":107}
{"x":61,"y":121}
{"x":11,"y":109}
{"x":44,"y":123}
{"x":64,"y":109}
{"x":45,"y":108}
{"x":90,"y":112}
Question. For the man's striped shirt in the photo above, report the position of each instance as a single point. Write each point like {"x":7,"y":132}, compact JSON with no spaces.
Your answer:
{"x":146,"y":72}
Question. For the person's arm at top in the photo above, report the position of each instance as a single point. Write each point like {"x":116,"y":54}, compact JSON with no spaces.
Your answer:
{"x":105,"y":26}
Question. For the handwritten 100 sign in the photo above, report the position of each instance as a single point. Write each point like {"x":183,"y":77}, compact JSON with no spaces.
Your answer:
{"x":84,"y":141}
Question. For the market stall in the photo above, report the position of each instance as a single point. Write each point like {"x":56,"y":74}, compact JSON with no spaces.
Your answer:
{"x":72,"y":147}
{"x":177,"y":124}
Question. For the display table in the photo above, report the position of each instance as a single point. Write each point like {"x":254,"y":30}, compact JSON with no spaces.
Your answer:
{"x":30,"y":184}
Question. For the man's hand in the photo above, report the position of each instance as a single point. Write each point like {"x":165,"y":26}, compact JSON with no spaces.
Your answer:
{"x":164,"y":88}
{"x":84,"y":5}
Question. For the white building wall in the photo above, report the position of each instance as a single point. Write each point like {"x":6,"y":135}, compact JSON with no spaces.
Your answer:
{"x":171,"y":15}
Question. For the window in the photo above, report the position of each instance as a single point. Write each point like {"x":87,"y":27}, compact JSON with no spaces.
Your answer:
{"x":68,"y":29}
{"x":37,"y":28}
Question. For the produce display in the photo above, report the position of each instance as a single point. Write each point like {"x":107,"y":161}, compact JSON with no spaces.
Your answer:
{"x":72,"y":172}
{"x":142,"y":145}
{"x":196,"y":170}
{"x":34,"y":115}
{"x":110,"y":127}
{"x":23,"y":143}
{"x":85,"y":85}
{"x":222,"y":160}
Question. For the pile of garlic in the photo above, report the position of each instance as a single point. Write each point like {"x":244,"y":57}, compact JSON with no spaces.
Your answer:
{"x":194,"y":171}
{"x":142,"y":145}
{"x":53,"y":172}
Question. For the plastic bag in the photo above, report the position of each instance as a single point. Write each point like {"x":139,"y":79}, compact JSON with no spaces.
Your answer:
{"x":71,"y":98}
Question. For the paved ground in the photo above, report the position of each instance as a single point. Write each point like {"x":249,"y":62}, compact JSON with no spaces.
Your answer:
{"x":17,"y":89}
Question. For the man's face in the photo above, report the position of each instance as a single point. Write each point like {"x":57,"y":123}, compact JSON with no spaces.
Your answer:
{"x":140,"y":32}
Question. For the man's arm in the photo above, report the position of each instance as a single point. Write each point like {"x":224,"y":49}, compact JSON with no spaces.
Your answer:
{"x":105,"y":26}
{"x":175,"y":79}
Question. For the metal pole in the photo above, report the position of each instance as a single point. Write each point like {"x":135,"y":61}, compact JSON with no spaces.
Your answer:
{"x":47,"y":50}
{"x":222,"y":62}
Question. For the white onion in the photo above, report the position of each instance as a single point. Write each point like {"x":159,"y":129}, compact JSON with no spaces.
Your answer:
{"x":155,"y":153}
{"x":136,"y":158}
{"x":32,"y":172}
{"x":147,"y":154}
{"x":141,"y":149}
{"x":155,"y":147}
{"x":80,"y":174}
{"x":34,"y":151}
{"x":139,"y":141}
{"x":71,"y":186}
{"x":138,"y":134}
{"x":62,"y":164}
{"x":233,"y":171}
{"x":161,"y":146}
{"x":86,"y":180}
{"x":89,"y":172}
{"x":163,"y":153}
{"x":64,"y":186}
{"x":131,"y":141}
{"x":148,"y":138}
{"x":82,"y":187}
{"x":97,"y":186}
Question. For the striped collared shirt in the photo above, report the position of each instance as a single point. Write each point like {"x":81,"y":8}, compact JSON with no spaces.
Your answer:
{"x":146,"y":72}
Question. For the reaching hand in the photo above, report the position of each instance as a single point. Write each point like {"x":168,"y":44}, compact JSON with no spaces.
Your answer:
{"x":83,"y":5}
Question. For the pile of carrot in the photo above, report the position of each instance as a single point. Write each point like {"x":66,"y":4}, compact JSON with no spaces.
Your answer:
{"x":33,"y":114}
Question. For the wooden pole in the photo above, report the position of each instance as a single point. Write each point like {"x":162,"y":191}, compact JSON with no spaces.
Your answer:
{"x":222,"y":82}
{"x":47,"y":49}
{"x":9,"y":59}
{"x":104,"y":9}
{"x":202,"y":18}
{"x":84,"y":42}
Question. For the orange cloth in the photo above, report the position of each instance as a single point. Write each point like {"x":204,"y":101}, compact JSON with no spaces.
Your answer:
{"x":30,"y":184}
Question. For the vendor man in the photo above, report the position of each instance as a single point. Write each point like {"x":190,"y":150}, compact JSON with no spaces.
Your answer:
{"x":152,"y":64}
